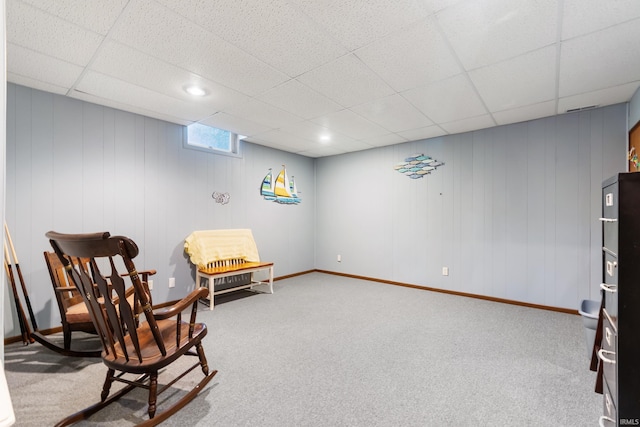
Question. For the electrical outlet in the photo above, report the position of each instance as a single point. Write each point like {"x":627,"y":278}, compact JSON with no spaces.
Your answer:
{"x":172,"y":282}
{"x":445,"y":271}
{"x":150,"y":284}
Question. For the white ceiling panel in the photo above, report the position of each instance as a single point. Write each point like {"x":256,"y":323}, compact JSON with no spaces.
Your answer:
{"x":236,"y":124}
{"x":357,"y":23}
{"x":189,"y":46}
{"x":103,"y":86}
{"x":529,"y":112}
{"x":40,"y":67}
{"x":486,"y":31}
{"x":94,"y":15}
{"x":599,"y":98}
{"x":347,"y":81}
{"x":313,"y":132}
{"x":599,"y":60}
{"x":36,"y":84}
{"x":581,"y":17}
{"x":274,"y":31}
{"x":469,"y":124}
{"x":370,"y":73}
{"x":350,"y":124}
{"x":524,"y":80}
{"x":300,"y":99}
{"x":410,"y":58}
{"x":263,"y":113}
{"x":447,"y":100}
{"x":423,"y":133}
{"x":128,"y":64}
{"x":46,"y":34}
{"x":384,"y":140}
{"x":393,"y":113}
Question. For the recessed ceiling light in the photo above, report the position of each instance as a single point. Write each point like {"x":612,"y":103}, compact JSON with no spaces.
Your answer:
{"x":195,"y":90}
{"x":325,"y":138}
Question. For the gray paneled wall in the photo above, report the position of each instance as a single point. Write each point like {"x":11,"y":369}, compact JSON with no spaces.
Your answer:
{"x":77,"y":167}
{"x":513,"y":213}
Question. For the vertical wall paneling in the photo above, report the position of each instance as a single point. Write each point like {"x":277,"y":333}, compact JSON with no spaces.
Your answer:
{"x":535,"y":187}
{"x":77,"y":167}
{"x":516,"y":218}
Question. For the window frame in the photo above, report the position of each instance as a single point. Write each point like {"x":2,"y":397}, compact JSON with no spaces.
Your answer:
{"x":235,"y":143}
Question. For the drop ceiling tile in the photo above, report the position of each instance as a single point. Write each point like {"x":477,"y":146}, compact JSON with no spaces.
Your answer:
{"x":523,"y":80}
{"x":590,"y":63}
{"x":423,"y":133}
{"x":283,"y":140}
{"x":125,"y":93}
{"x":144,"y":25}
{"x":263,"y":113}
{"x":393,"y":113}
{"x":36,"y":30}
{"x":313,"y":132}
{"x":350,"y":124}
{"x":239,"y":125}
{"x":127,"y":107}
{"x":581,"y":17}
{"x":414,"y":57}
{"x":125,"y":63}
{"x":447,"y":100}
{"x":347,"y":81}
{"x":357,"y":23}
{"x":469,"y":124}
{"x":601,"y":98}
{"x":273,"y":31}
{"x":528,"y":112}
{"x":351,"y":146}
{"x":483,"y":32}
{"x":40,"y":67}
{"x":35,"y":84}
{"x":95,"y":15}
{"x":321,"y":151}
{"x":299,"y":99}
{"x":384,"y":140}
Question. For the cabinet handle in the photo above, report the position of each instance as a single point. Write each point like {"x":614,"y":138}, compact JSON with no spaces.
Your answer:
{"x":601,"y":356}
{"x":605,"y":418}
{"x":608,"y":288}
{"x":608,"y":219}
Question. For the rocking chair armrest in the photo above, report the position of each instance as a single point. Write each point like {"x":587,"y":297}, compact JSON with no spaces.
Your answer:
{"x":180,"y":306}
{"x":70,"y":288}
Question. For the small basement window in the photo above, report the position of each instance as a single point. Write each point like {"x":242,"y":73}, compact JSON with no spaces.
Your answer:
{"x":212,"y":139}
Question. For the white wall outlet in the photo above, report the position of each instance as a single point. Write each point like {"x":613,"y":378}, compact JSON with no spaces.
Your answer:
{"x":172,"y":282}
{"x":150,"y":284}
{"x":445,"y":271}
{"x":339,"y":259}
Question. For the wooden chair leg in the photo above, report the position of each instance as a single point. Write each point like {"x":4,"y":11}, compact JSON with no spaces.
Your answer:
{"x":107,"y":385}
{"x":203,"y":359}
{"x":66,"y":332}
{"x":153,"y":390}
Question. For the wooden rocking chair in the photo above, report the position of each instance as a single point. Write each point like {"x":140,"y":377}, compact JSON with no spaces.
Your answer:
{"x":131,"y":346}
{"x":74,"y":314}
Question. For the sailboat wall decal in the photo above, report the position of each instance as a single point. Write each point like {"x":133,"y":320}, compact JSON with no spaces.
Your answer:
{"x":281,"y":190}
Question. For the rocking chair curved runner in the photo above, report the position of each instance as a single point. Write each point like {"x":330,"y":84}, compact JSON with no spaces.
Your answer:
{"x":131,"y":345}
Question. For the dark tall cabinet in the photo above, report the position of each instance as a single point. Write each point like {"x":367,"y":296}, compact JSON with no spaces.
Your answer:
{"x":620,"y":346}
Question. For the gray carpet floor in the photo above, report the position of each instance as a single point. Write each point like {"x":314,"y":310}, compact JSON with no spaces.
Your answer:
{"x":325,"y":350}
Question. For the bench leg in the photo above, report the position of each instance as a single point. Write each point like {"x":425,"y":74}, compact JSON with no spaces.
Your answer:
{"x":271,"y":279}
{"x":211,"y":296}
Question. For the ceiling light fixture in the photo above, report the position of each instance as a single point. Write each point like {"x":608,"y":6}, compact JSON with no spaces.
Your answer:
{"x":325,"y":138}
{"x":195,"y":90}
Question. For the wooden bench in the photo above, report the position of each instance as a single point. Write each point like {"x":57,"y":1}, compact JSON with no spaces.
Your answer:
{"x":232,"y":267}
{"x":225,"y":253}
